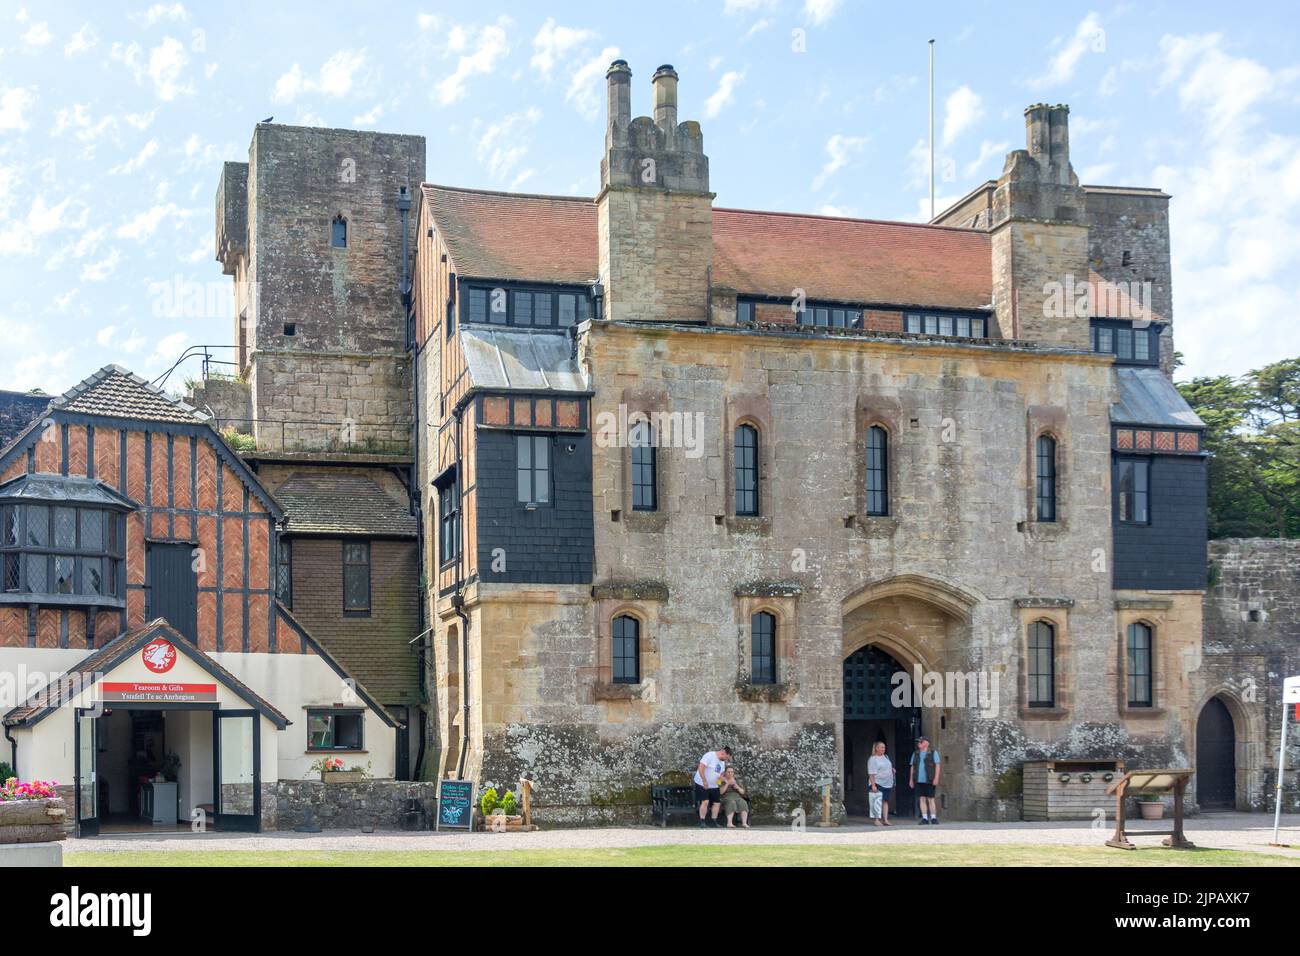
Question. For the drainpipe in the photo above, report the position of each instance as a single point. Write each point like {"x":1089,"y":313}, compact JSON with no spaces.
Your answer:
{"x":13,"y":748}
{"x":458,"y":602}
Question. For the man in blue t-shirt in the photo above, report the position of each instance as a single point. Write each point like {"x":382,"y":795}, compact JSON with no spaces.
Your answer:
{"x":924,"y":777}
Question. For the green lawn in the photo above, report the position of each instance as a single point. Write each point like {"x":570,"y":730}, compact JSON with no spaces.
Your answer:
{"x":682,"y":855}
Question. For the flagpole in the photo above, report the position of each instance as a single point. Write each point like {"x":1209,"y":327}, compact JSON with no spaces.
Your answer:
{"x":932,"y":130}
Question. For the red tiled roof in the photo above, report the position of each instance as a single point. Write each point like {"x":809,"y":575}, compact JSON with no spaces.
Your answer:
{"x":553,"y":239}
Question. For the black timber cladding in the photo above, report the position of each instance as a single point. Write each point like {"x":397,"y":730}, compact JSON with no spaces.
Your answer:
{"x":551,"y":544}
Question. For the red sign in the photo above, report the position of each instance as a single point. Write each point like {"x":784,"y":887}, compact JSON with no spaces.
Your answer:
{"x":157,"y":691}
{"x":158,"y":655}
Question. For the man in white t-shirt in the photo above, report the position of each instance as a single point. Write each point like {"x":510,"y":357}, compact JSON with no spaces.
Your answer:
{"x":708,"y":778}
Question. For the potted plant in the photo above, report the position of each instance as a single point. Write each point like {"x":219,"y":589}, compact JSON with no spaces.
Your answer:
{"x":170,"y":767}
{"x":333,"y":770}
{"x":500,"y":816}
{"x":1152,"y":807}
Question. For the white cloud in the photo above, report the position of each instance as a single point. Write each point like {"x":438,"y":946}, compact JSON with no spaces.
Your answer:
{"x":962,"y":110}
{"x":133,"y":165}
{"x":491,"y":46}
{"x":166,"y":63}
{"x":988,"y":150}
{"x":1233,"y":221}
{"x":105,"y":335}
{"x":553,"y":43}
{"x":504,"y":144}
{"x":725,"y":94}
{"x":83,"y":39}
{"x":101,"y":270}
{"x":840,"y":149}
{"x":370,"y":117}
{"x":586,"y":84}
{"x":748,"y":6}
{"x":145,"y":224}
{"x":38,"y":35}
{"x":159,"y":12}
{"x":335,"y":77}
{"x":77,"y":118}
{"x":14,"y":104}
{"x":819,"y":11}
{"x":1088,"y":36}
{"x":168,"y":349}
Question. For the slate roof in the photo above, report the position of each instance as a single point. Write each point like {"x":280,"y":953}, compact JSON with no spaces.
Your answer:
{"x":494,"y":235}
{"x":1146,"y":397}
{"x":521,"y":360}
{"x":325,"y":503}
{"x":63,"y":488}
{"x":115,"y":392}
{"x":101,"y":662}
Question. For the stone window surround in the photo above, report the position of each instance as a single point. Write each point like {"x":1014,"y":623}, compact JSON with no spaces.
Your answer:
{"x":883,"y":411}
{"x":1055,"y":612}
{"x":781,"y":600}
{"x":1047,"y":420}
{"x":754,"y":410}
{"x":645,"y":402}
{"x":640,"y":602}
{"x":1151,"y":614}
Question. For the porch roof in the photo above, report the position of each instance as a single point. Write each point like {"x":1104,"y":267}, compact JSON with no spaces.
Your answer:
{"x":98,"y":664}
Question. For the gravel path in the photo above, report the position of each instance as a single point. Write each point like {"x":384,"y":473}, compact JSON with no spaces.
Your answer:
{"x":1242,"y":831}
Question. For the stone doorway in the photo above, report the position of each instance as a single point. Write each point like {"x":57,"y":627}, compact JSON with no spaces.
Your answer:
{"x":1216,"y":757}
{"x":870,"y":716}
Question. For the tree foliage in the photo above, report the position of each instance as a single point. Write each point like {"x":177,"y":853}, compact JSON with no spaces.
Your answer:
{"x":1253,"y":439}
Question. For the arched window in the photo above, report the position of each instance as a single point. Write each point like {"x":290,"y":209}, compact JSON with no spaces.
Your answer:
{"x":644,"y":466}
{"x":877,"y":471}
{"x":1042,"y":665}
{"x":627,"y":650}
{"x":339,"y":233}
{"x":746,"y":455}
{"x":762,"y":636}
{"x":1140,"y":670}
{"x":1046,"y":484}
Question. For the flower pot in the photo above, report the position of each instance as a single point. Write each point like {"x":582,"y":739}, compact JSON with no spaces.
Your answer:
{"x":342,"y":776}
{"x":1151,"y":809}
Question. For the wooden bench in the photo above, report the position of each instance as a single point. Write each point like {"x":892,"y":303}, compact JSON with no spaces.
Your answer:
{"x":666,"y":801}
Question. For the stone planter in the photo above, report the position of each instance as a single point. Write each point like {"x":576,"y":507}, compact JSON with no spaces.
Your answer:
{"x":32,"y":821}
{"x":342,"y":776}
{"x":1151,"y":809}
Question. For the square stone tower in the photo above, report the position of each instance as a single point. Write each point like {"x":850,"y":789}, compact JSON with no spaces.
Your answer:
{"x":316,"y":231}
{"x":655,"y":211}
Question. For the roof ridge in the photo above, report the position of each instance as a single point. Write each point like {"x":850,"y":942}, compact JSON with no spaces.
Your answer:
{"x":112,"y":369}
{"x":823,"y":216}
{"x":502,"y":192}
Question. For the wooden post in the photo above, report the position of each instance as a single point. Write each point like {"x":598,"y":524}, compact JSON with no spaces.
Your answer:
{"x":1119,"y":840}
{"x":1176,"y":840}
{"x":826,"y":805}
{"x":526,"y":792}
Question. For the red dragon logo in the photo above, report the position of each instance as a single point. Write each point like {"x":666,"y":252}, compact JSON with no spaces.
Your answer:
{"x":159,"y":655}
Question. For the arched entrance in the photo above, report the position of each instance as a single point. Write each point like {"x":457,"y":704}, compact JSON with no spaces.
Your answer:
{"x":1216,"y":757}
{"x":870,"y":716}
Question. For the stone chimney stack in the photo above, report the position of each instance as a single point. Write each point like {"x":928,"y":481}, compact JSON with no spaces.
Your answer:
{"x":654,"y":210}
{"x":1039,"y":228}
{"x":665,"y":87}
{"x":619,"y":79}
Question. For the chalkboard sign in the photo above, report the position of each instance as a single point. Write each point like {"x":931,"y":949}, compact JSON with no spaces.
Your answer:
{"x":455,"y":805}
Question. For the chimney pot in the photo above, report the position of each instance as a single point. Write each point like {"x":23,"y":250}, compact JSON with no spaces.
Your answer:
{"x":664,"y":82}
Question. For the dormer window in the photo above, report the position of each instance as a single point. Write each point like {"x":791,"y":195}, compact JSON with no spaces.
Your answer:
{"x":339,"y":233}
{"x":1130,"y":342}
{"x":954,"y":325}
{"x":535,"y":308}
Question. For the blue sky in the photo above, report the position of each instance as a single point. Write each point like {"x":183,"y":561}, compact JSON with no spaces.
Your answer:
{"x":114,"y":123}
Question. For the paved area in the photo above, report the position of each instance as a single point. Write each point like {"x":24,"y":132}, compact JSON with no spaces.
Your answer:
{"x":1238,"y":831}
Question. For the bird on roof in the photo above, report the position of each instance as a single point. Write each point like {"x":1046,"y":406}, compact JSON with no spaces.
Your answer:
{"x":268,"y":119}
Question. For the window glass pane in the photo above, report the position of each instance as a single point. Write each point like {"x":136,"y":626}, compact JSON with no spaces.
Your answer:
{"x":568,"y":309}
{"x":114,"y":576}
{"x":945,"y":325}
{"x":837,"y":319}
{"x":541,"y":469}
{"x":746,"y":470}
{"x":913,"y":322}
{"x":1124,"y":343}
{"x":583,"y":308}
{"x":9,"y":572}
{"x":1105,"y":340}
{"x":347,"y":731}
{"x":963,"y":325}
{"x":478,"y":305}
{"x":979,"y":328}
{"x":8,"y":526}
{"x":542,"y":309}
{"x":92,"y":530}
{"x":65,"y":528}
{"x":64,"y":568}
{"x":932,"y":325}
{"x":523,"y":308}
{"x":38,"y":526}
{"x":339,"y":233}
{"x":92,"y":576}
{"x":762,"y":628}
{"x":498,"y":306}
{"x":1142,"y":344}
{"x":320,"y":731}
{"x":877,"y":471}
{"x":626,"y":650}
{"x":37,"y":577}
